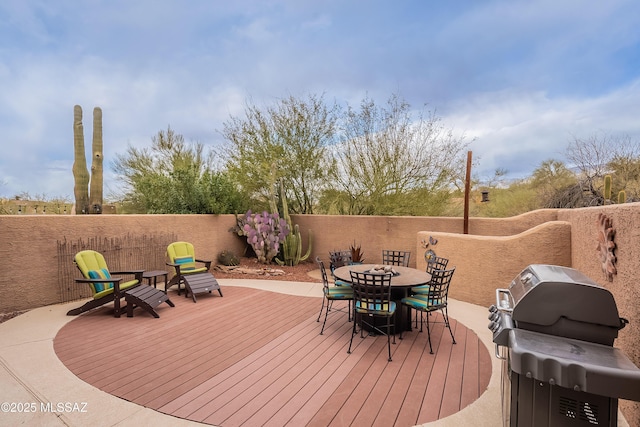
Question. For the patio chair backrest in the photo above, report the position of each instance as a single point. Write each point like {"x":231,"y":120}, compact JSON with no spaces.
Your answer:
{"x":339,"y":259}
{"x":323,"y":273}
{"x":437,"y":263}
{"x":93,"y":266}
{"x":439,"y":288}
{"x":182,"y":253}
{"x":372,"y":293}
{"x":400,"y":258}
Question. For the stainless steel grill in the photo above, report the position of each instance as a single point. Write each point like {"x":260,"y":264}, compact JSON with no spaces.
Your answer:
{"x":554,"y":329}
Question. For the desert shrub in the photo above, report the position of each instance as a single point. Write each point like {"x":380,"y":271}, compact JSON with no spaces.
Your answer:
{"x":228,"y":258}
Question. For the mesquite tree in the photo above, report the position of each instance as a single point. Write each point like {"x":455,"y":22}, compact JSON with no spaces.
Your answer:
{"x":87,"y":202}
{"x":293,"y":134}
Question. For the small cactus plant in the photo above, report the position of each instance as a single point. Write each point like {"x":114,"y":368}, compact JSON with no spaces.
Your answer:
{"x":357,"y":255}
{"x":228,"y":258}
{"x":607,"y":189}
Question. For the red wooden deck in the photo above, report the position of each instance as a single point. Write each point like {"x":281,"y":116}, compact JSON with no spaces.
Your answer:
{"x":256,"y":357}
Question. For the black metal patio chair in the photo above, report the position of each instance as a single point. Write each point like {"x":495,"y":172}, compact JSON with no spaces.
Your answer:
{"x":331,"y":294}
{"x":434,"y":300}
{"x":372,"y":301}
{"x":400,"y":258}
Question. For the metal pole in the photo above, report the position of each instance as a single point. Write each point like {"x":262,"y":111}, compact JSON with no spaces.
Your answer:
{"x":467,"y":190}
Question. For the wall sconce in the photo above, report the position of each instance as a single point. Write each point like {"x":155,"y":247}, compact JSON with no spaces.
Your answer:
{"x":485,"y":196}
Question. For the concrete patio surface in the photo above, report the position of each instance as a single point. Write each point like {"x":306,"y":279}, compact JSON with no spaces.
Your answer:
{"x":37,"y":389}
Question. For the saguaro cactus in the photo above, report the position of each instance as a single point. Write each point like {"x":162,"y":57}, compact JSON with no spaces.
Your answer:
{"x":85,"y":202}
{"x":95,"y":193}
{"x":80,"y":171}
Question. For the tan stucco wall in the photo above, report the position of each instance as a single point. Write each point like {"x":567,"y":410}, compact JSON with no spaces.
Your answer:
{"x":625,"y":285}
{"x":510,"y":226}
{"x":487,"y":258}
{"x":375,"y":233}
{"x":28,"y":249}
{"x":485,"y":263}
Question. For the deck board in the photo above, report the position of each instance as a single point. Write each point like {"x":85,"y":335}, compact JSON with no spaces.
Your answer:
{"x":255,"y":357}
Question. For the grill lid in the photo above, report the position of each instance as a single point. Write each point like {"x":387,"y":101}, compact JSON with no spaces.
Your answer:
{"x":543,"y":294}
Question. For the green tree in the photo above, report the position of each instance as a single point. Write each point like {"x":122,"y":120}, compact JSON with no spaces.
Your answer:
{"x":388,"y":155}
{"x":550,"y":181}
{"x":598,"y":155}
{"x":291,"y":135}
{"x":519,"y":197}
{"x":624,"y":166}
{"x":175,"y":177}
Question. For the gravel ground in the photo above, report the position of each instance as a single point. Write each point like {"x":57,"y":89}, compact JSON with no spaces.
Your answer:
{"x":298,"y":273}
{"x":6,"y":316}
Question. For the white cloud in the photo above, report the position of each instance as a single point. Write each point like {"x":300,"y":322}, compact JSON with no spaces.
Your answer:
{"x":521,"y":76}
{"x":517,"y":131}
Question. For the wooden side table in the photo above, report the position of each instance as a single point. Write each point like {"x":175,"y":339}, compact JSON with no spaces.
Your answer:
{"x":154,"y":274}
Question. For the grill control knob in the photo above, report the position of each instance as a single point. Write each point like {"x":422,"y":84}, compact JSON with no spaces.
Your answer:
{"x":493,"y":308}
{"x":494,"y":316}
{"x":494,"y":326}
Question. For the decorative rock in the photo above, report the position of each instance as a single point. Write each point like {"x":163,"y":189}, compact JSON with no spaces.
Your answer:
{"x":256,"y":271}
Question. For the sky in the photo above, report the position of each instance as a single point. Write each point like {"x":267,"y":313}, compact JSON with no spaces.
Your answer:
{"x":519,"y":78}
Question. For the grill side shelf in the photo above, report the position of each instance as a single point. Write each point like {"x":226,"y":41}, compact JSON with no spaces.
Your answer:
{"x":574,"y":364}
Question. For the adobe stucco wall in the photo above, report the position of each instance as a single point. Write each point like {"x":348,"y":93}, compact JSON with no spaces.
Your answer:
{"x":487,"y":258}
{"x":625,"y":285}
{"x":494,"y":252}
{"x":510,"y":226}
{"x":485,"y":263}
{"x":28,"y":248}
{"x":30,"y":241}
{"x":375,"y":233}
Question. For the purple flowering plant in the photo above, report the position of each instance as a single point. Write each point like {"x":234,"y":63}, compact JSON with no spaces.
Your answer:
{"x":265,"y":232}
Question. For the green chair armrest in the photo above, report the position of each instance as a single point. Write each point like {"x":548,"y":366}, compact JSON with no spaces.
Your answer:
{"x":136,"y":273}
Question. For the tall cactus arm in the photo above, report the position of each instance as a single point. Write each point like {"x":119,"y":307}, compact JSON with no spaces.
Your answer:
{"x":95,"y":195}
{"x":80,"y":171}
{"x":292,"y":247}
{"x":308,"y":253}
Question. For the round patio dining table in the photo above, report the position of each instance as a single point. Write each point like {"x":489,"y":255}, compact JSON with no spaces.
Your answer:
{"x":400,"y":286}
